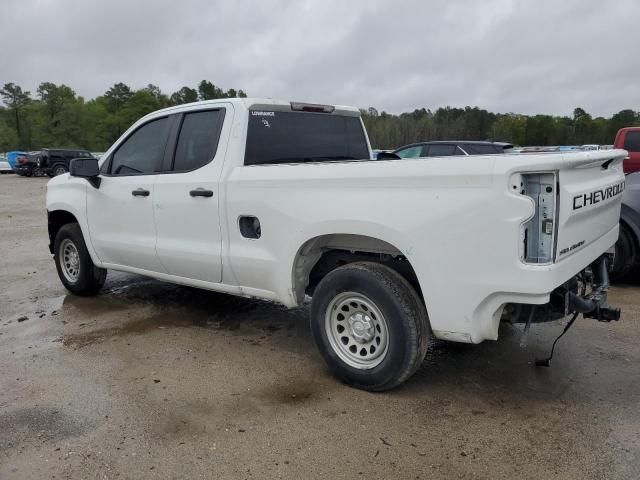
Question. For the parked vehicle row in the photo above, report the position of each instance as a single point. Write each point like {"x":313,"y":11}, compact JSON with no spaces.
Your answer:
{"x":449,"y":148}
{"x":48,"y":161}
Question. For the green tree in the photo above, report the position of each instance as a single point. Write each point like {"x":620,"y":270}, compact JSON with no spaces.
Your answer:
{"x":54,"y":97}
{"x":8,"y":137}
{"x":117,"y":96}
{"x":16,"y":100}
{"x":184,"y":95}
{"x":208,"y":91}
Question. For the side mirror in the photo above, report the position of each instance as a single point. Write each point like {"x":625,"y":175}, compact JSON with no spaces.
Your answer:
{"x":86,"y":168}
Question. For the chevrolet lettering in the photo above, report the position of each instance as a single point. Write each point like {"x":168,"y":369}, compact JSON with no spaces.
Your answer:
{"x":597,"y":196}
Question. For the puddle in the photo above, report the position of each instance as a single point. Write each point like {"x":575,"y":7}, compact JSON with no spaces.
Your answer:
{"x":170,"y":306}
{"x":133,"y":327}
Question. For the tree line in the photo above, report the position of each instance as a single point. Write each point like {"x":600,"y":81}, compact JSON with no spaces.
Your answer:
{"x":56,"y":117}
{"x":473,"y":123}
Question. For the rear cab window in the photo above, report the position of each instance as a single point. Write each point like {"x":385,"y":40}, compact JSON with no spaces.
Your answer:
{"x":275,"y":137}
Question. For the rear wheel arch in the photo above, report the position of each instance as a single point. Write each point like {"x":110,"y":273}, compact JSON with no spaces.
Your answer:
{"x":322,"y":254}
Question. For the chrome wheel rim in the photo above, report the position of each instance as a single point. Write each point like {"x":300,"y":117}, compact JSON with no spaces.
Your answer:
{"x":59,"y":171}
{"x":357,"y":330}
{"x":69,"y":260}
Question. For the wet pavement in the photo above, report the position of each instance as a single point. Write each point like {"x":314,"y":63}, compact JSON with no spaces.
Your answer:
{"x":152,"y":380}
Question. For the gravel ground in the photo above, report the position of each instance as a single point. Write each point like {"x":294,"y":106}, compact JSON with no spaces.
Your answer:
{"x":151,"y":380}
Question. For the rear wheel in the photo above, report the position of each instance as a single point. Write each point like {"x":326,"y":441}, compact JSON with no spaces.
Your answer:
{"x":370,"y":325}
{"x":58,"y":170}
{"x":73,"y":262}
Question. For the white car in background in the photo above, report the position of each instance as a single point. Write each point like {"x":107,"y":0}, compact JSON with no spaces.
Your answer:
{"x":4,"y":166}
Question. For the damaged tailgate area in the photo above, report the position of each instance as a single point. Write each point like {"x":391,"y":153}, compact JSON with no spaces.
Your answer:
{"x":585,"y":294}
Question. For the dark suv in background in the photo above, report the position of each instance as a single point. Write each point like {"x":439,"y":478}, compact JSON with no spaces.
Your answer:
{"x":448,"y":148}
{"x":55,"y":161}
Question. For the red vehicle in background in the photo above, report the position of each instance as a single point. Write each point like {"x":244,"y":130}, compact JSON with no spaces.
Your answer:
{"x":628,"y":138}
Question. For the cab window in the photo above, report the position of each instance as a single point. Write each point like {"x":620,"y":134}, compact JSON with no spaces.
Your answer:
{"x":142,"y":151}
{"x":198,"y":139}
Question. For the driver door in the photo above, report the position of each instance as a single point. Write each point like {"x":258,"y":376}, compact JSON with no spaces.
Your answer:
{"x":120,"y":212}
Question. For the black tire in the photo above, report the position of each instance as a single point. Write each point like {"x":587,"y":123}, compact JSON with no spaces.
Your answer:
{"x":58,"y":169}
{"x":625,"y":258}
{"x":404,"y":314}
{"x":89,"y":279}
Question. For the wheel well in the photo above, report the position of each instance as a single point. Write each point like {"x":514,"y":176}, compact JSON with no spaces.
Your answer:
{"x":56,"y":220}
{"x":320,"y":255}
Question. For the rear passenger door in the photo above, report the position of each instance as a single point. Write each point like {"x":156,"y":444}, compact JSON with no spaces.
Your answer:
{"x":187,"y":195}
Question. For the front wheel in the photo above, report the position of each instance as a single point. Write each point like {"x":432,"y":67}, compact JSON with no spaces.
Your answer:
{"x":370,"y":325}
{"x":73,"y":262}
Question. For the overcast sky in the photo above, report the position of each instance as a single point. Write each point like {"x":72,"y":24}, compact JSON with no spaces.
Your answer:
{"x":502,"y":55}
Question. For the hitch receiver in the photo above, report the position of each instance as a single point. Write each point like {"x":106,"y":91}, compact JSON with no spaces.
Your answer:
{"x":594,"y":305}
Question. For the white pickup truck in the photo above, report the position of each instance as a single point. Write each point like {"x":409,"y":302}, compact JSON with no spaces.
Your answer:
{"x":280,"y":201}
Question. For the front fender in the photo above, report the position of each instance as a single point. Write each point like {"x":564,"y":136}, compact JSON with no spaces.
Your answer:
{"x":69,"y":194}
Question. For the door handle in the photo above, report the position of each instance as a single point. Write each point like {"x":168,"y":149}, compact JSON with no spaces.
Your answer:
{"x":201,"y":192}
{"x":140,"y":192}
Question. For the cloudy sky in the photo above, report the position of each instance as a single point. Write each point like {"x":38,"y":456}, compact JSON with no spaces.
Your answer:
{"x":535,"y":56}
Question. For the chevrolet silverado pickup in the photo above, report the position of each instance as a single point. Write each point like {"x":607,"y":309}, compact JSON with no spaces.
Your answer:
{"x":280,"y":201}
